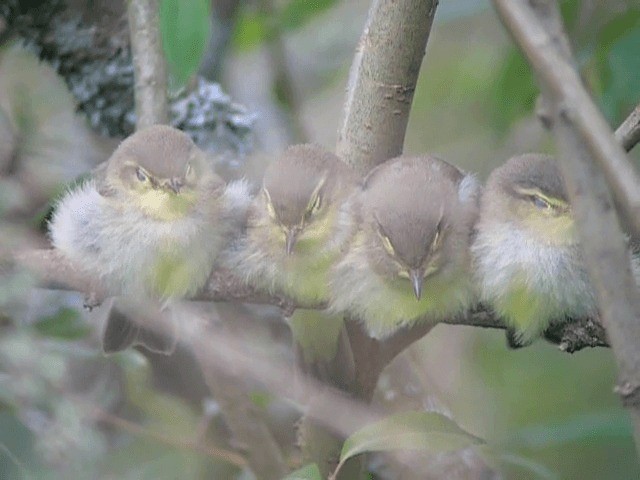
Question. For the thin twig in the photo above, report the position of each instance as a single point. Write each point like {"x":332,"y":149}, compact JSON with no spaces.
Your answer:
{"x":563,"y":81}
{"x":628,"y":134}
{"x":150,"y":89}
{"x":184,"y":444}
{"x":52,"y":270}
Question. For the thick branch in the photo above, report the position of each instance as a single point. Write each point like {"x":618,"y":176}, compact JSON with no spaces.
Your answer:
{"x":583,"y":137}
{"x":382,"y":81}
{"x":55,"y":272}
{"x":628,"y":134}
{"x":150,"y":87}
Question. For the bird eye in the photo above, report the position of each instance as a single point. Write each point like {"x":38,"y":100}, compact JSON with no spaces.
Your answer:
{"x":386,"y":243}
{"x":141,"y":175}
{"x":317,"y":203}
{"x":540,"y":202}
{"x":313,"y":207}
{"x":435,"y":243}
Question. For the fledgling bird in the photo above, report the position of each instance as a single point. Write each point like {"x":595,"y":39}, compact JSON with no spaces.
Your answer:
{"x":296,"y":229}
{"x":149,"y":225}
{"x":528,"y":259}
{"x":410,"y":260}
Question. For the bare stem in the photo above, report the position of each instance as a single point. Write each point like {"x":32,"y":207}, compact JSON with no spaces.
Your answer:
{"x":150,"y":72}
{"x":628,"y":134}
{"x":383,"y":80}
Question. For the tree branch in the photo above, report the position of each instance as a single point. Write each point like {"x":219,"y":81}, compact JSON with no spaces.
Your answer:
{"x":583,"y":138}
{"x":563,"y":81}
{"x":54,"y":271}
{"x":628,"y":134}
{"x":382,"y":81}
{"x":150,"y":71}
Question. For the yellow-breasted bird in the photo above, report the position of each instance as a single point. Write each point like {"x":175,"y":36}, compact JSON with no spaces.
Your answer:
{"x":528,"y":258}
{"x":410,"y":259}
{"x":149,"y":225}
{"x":297,"y":228}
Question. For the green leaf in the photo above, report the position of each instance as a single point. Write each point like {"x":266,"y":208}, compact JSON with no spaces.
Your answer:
{"x":251,"y":30}
{"x":297,"y":13}
{"x":185,"y":29}
{"x":515,"y":91}
{"x":66,"y":323}
{"x":427,"y":431}
{"x":528,"y":465}
{"x":618,"y":64}
{"x":308,"y":472}
{"x":255,"y":26}
{"x":583,"y":427}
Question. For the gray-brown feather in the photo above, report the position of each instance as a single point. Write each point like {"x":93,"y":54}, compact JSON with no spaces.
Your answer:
{"x":293,"y":177}
{"x":162,"y":150}
{"x":530,"y":170}
{"x":410,"y":199}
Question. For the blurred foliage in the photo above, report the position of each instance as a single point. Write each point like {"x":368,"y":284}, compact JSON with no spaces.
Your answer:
{"x":68,"y":412}
{"x":257,"y":25}
{"x":185,"y":28}
{"x":605,"y":42}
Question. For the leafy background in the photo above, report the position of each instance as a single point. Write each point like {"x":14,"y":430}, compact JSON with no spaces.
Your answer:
{"x":545,"y":414}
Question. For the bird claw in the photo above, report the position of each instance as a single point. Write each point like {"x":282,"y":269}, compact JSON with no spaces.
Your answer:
{"x":288,"y":307}
{"x":91,"y":301}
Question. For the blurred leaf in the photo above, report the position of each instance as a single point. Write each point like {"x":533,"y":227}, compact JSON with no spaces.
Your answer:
{"x":66,"y":323}
{"x":255,"y":26}
{"x":427,"y":431}
{"x":185,"y":28}
{"x":16,"y":447}
{"x":539,"y":470}
{"x":509,"y":463}
{"x":262,"y":400}
{"x":588,"y":426}
{"x":570,"y":11}
{"x":297,"y":13}
{"x":308,"y":472}
{"x":618,"y":63}
{"x":145,"y":458}
{"x":515,"y":91}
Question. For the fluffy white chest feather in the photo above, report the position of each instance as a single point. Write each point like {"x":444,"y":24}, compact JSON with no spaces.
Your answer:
{"x":133,"y":253}
{"x":530,"y":283}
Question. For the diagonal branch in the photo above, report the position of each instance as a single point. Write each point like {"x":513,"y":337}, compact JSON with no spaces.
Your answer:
{"x":628,"y":134}
{"x":587,"y":150}
{"x":563,"y":82}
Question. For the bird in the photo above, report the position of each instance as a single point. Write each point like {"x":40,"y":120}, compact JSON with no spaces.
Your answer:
{"x":527,"y":256}
{"x":297,"y":228}
{"x":149,"y":224}
{"x":409,"y":260}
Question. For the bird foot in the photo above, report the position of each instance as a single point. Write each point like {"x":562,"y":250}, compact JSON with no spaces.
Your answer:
{"x":91,"y":301}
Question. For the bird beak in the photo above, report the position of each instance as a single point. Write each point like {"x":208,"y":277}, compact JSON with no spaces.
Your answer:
{"x":291,"y":237}
{"x":174,"y":185}
{"x":417,"y":278}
